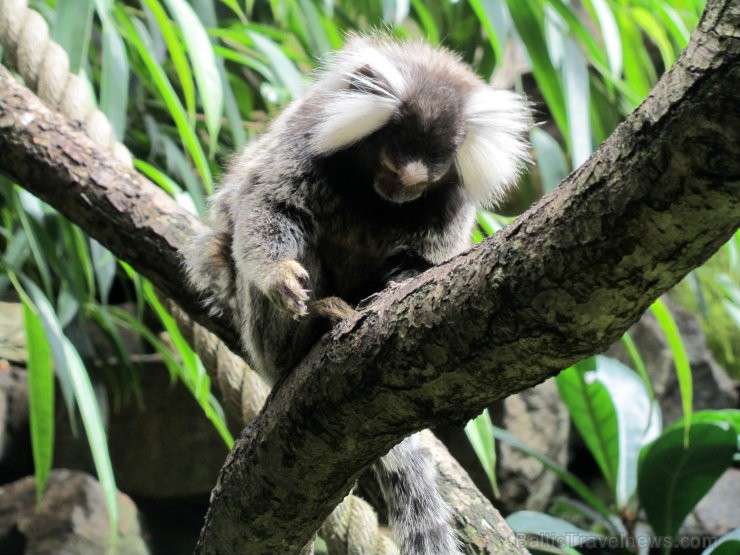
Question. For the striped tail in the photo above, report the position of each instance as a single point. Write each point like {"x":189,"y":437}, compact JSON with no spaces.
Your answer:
{"x":419,"y":517}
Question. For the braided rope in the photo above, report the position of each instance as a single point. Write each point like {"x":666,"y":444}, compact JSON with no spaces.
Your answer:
{"x":44,"y":66}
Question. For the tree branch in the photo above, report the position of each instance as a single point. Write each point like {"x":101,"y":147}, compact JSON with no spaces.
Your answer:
{"x":560,"y":283}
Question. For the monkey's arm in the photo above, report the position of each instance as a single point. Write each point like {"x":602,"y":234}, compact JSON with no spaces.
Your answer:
{"x":269,"y":239}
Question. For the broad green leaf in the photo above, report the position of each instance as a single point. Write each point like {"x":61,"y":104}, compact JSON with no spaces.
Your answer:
{"x":40,"y":395}
{"x":594,"y":416}
{"x":532,"y":522}
{"x":480,"y":434}
{"x":569,"y":479}
{"x":680,"y":358}
{"x":730,"y":417}
{"x":72,"y":30}
{"x":729,"y":544}
{"x":203,"y":61}
{"x":674,"y":476}
{"x":638,"y":421}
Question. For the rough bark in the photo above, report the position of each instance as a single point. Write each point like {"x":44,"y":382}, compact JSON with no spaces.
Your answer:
{"x":560,"y":283}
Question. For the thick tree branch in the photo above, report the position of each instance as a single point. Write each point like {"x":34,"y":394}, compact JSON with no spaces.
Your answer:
{"x":562,"y":282}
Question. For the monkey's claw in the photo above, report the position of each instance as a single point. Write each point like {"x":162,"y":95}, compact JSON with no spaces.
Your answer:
{"x":286,"y":287}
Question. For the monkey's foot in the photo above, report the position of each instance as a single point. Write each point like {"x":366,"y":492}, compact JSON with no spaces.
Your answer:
{"x":333,"y":308}
{"x":285,"y":285}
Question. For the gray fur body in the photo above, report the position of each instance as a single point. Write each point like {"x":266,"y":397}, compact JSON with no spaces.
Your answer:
{"x":372,"y":177}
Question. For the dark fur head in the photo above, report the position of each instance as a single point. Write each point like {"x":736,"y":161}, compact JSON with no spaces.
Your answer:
{"x":428,"y":114}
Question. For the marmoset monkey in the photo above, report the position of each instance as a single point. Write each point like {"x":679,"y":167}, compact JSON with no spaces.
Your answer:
{"x":373,"y":176}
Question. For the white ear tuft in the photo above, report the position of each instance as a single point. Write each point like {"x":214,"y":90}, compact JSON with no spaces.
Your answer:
{"x":348,"y":117}
{"x":495,"y":148}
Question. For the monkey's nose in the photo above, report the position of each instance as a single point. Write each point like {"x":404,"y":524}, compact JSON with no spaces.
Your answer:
{"x":413,"y":173}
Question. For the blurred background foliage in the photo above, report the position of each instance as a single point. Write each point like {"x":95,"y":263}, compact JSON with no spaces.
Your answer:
{"x":185,"y":84}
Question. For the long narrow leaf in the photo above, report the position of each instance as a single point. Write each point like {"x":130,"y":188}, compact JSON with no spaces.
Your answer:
{"x":480,"y":434}
{"x":527,"y":23}
{"x":680,"y":358}
{"x":203,"y":61}
{"x":67,"y":358}
{"x":114,"y":77}
{"x":40,"y":395}
{"x":72,"y":30}
{"x":134,"y":32}
{"x":177,"y":55}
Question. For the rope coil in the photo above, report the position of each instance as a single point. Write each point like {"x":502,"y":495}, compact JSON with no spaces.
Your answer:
{"x":44,"y":66}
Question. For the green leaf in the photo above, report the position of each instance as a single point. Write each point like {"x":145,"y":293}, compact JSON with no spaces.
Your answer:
{"x":72,"y":30}
{"x":285,"y":70}
{"x":166,"y":28}
{"x":731,"y":417}
{"x":673,"y":476}
{"x":656,"y":32}
{"x":480,"y":434}
{"x":593,"y":414}
{"x":528,"y":25}
{"x":114,"y":78}
{"x":729,"y":544}
{"x":576,"y":82}
{"x":68,"y":361}
{"x":680,"y":358}
{"x":137,"y":35}
{"x":492,"y":17}
{"x":40,"y":395}
{"x":204,"y":65}
{"x":610,"y":35}
{"x":191,"y":371}
{"x":104,"y":265}
{"x":638,"y":421}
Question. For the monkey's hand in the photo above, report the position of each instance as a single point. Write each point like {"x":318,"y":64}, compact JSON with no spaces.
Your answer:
{"x":285,"y":285}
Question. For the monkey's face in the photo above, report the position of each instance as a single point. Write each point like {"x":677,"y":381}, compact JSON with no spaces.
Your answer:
{"x":416,"y":152}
